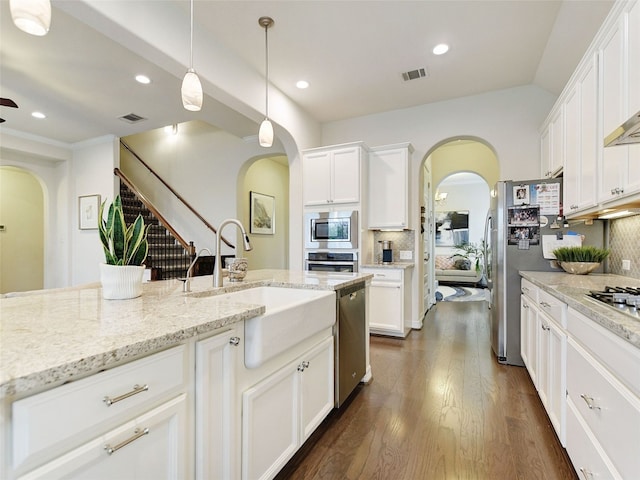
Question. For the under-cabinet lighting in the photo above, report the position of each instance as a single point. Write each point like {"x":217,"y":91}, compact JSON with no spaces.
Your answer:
{"x":620,"y":213}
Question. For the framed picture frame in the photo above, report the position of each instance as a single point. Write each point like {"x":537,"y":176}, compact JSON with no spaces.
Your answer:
{"x":452,"y":228}
{"x":262,"y":213}
{"x":88,"y":210}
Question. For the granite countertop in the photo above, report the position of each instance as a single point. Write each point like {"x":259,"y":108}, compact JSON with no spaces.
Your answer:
{"x":572,"y":290}
{"x":52,"y":336}
{"x":403,"y":265}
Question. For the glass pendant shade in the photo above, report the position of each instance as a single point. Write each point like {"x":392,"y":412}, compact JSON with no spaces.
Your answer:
{"x":191,"y":91}
{"x":265,"y":134}
{"x":31,"y":16}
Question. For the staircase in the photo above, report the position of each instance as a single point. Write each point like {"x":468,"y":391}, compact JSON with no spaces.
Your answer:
{"x":166,"y":256}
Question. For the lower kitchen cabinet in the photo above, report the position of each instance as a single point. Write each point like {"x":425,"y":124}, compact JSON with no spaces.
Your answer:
{"x":281,"y":411}
{"x":389,"y":301}
{"x":216,"y":409}
{"x":544,"y":350}
{"x":150,"y":447}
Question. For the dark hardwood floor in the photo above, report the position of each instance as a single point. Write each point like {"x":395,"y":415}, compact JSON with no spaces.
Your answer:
{"x":439,"y":407}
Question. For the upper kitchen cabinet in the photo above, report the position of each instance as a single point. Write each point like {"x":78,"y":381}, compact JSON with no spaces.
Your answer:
{"x":553,"y":144}
{"x":389,"y":206}
{"x":619,"y":170}
{"x":331,"y":175}
{"x":582,"y":141}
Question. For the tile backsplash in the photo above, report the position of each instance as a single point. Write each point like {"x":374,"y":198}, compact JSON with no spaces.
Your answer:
{"x":403,"y":240}
{"x":624,"y":243}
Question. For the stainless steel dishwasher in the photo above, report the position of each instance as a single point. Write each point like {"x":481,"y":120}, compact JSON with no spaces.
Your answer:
{"x":350,"y":341}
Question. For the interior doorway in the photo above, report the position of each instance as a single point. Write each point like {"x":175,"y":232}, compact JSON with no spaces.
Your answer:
{"x":21,"y":231}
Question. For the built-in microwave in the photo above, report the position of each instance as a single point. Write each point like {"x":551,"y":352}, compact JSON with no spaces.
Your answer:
{"x":331,"y":230}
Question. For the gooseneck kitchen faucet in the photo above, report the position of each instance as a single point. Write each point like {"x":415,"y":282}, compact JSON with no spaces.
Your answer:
{"x":217,"y":269}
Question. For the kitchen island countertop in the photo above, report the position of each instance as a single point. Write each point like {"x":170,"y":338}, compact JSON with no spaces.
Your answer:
{"x":573,"y":289}
{"x":48,"y":337}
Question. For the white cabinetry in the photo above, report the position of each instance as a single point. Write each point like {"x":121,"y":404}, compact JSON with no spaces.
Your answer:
{"x":620,"y":167}
{"x":216,"y":409}
{"x":129,"y":422}
{"x":582,"y":141}
{"x":389,"y":301}
{"x":543,"y":347}
{"x":281,"y":411}
{"x":331,"y":175}
{"x":603,"y":389}
{"x":552,"y":144}
{"x":389,"y":186}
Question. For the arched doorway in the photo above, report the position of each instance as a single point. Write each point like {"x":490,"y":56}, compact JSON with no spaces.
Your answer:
{"x":21,"y":231}
{"x":466,"y":155}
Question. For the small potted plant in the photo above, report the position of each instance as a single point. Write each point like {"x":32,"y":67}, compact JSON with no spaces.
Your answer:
{"x":580,"y":260}
{"x":472,"y":253}
{"x":125,"y":250}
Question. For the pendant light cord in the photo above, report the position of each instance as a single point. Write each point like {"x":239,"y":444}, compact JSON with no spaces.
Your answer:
{"x":191,"y":40}
{"x":266,"y":69}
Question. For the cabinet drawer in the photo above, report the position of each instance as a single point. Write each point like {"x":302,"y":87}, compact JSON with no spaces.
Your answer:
{"x":610,"y":411}
{"x":384,"y":274}
{"x":529,"y":289}
{"x":586,"y":456}
{"x":52,"y":422}
{"x":619,"y":356}
{"x":556,"y":309}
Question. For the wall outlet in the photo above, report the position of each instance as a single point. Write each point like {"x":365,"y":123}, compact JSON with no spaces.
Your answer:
{"x":626,"y":264}
{"x":406,"y":255}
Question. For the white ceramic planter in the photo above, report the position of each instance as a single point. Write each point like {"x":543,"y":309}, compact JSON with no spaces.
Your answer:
{"x":121,"y":282}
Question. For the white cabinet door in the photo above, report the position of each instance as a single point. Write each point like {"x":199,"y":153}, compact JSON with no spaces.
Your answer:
{"x":633,"y":57}
{"x":556,"y":379}
{"x":386,"y":308}
{"x":282,"y":411}
{"x":316,"y":179}
{"x":216,"y":455}
{"x":389,"y":188}
{"x":346,"y":175}
{"x":571,"y":173}
{"x":527,"y":335}
{"x":589,"y":137}
{"x":545,"y":152}
{"x":316,"y":387}
{"x":151,"y":446}
{"x":270,"y":424}
{"x":556,"y":161}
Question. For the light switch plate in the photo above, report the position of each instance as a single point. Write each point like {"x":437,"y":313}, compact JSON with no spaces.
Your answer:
{"x":406,"y":255}
{"x":626,"y":264}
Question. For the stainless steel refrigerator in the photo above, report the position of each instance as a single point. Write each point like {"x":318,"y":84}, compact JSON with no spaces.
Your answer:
{"x":521,"y":213}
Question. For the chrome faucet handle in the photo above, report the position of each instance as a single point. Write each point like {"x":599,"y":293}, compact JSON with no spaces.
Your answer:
{"x":186,"y":284}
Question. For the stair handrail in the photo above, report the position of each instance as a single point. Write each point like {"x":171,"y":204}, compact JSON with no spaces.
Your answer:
{"x":189,"y":247}
{"x":177,"y":195}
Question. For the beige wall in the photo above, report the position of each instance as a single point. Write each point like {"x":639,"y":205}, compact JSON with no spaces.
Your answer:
{"x":22,"y":240}
{"x":464,"y":156}
{"x":269,"y":176}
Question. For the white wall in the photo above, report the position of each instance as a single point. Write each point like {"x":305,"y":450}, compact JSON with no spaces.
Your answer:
{"x":508,"y":120}
{"x":91,"y":173}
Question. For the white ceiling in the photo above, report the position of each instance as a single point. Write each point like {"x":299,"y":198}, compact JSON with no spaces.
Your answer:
{"x":351,"y":52}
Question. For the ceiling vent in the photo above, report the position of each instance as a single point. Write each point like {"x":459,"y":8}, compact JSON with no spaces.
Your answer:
{"x":414,"y":74}
{"x":131,"y":118}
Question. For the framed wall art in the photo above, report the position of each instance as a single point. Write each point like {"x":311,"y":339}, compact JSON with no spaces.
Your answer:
{"x":88,"y":210}
{"x":262,"y":211}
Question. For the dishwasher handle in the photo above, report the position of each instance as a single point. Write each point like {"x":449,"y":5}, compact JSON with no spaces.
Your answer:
{"x":351,"y":290}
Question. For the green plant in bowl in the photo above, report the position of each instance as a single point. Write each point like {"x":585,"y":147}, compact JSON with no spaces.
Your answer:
{"x":580,"y":260}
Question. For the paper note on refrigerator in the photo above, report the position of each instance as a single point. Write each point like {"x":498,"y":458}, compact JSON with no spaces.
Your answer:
{"x":551,"y":242}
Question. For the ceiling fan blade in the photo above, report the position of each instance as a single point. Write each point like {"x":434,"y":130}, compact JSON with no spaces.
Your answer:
{"x":7,"y":102}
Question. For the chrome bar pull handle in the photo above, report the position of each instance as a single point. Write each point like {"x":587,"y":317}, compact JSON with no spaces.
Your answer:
{"x":586,"y":473}
{"x":545,"y":305}
{"x":136,"y":390}
{"x":589,"y":401}
{"x":235,"y":341}
{"x":136,"y":435}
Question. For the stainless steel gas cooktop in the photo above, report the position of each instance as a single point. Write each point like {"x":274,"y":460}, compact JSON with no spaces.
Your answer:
{"x":622,"y":299}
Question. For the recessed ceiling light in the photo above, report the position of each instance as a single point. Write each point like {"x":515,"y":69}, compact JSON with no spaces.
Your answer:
{"x":440,"y":49}
{"x":302,"y":84}
{"x":38,"y":115}
{"x":143,"y":79}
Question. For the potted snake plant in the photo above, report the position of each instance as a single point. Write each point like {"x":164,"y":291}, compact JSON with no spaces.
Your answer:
{"x":125,"y":250}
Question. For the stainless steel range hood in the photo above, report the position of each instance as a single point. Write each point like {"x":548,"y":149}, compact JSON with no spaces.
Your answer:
{"x":628,"y":132}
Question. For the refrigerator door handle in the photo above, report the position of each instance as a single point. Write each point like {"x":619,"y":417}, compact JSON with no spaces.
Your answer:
{"x":485,"y":253}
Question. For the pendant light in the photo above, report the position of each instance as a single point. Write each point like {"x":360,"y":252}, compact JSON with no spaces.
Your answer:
{"x":265,"y":134}
{"x":191,"y":87}
{"x":31,"y":16}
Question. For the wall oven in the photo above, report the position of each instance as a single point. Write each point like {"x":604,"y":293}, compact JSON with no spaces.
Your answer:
{"x":331,"y":230}
{"x":331,"y":262}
